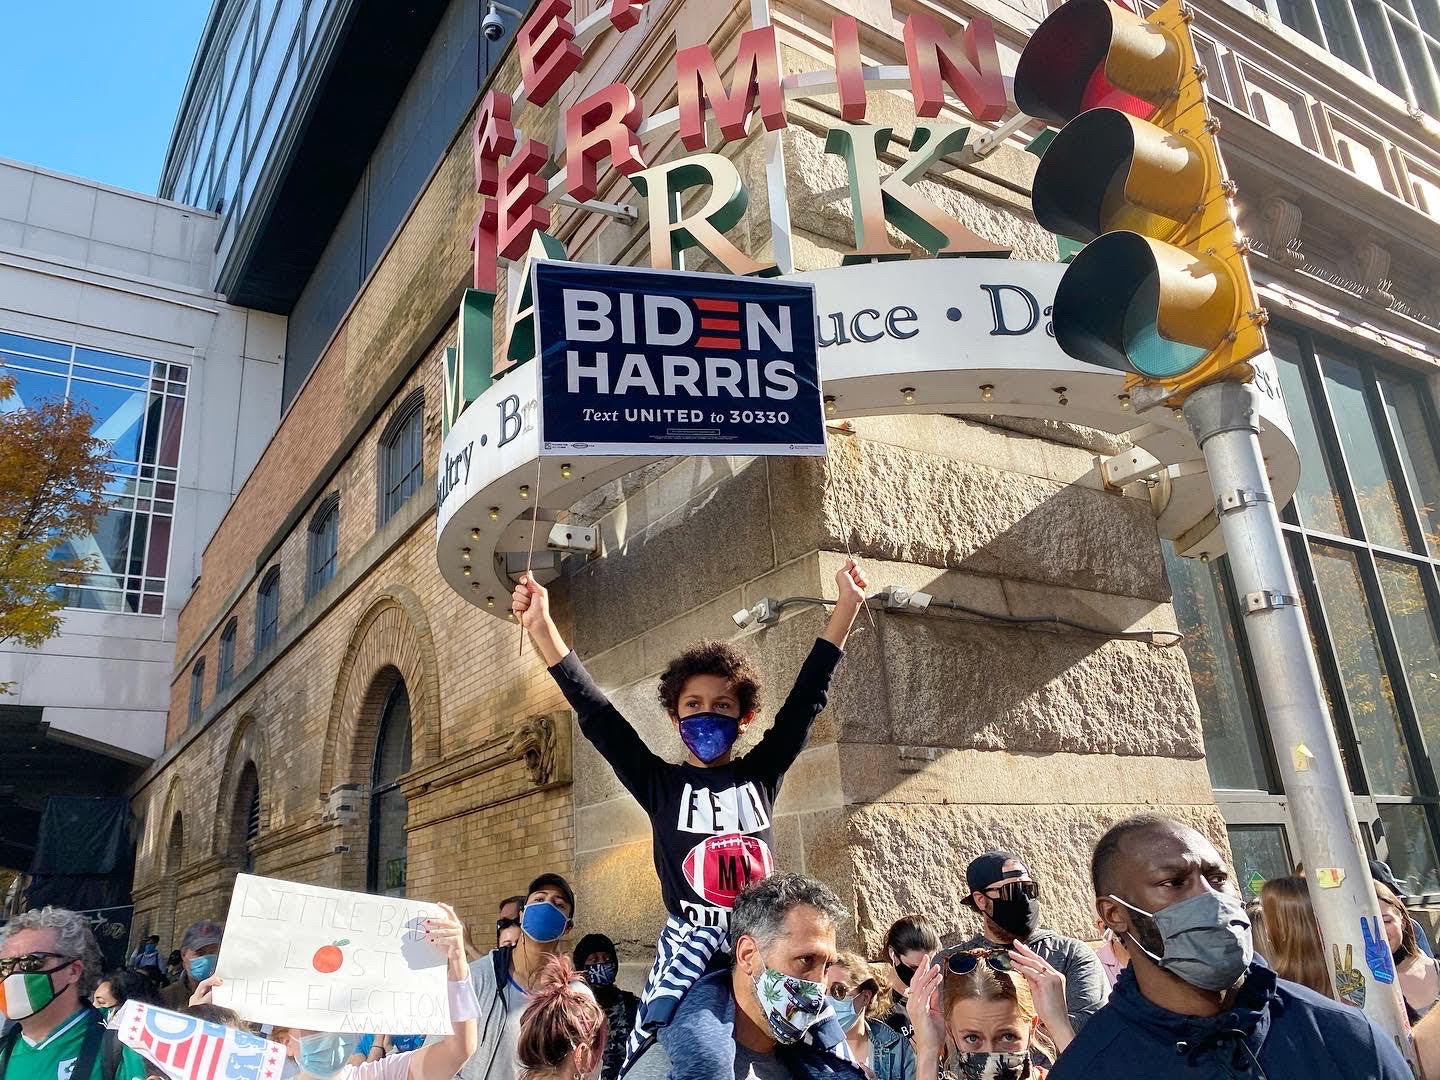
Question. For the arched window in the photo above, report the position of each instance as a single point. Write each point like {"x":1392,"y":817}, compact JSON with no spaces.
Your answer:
{"x":267,"y":610}
{"x":225,"y":667}
{"x":197,"y":691}
{"x":402,"y":455}
{"x":324,"y":545}
{"x":388,"y":810}
{"x":245,"y":817}
{"x":175,"y":846}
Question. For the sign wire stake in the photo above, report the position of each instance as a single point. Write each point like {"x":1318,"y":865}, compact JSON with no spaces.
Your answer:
{"x":534,"y":524}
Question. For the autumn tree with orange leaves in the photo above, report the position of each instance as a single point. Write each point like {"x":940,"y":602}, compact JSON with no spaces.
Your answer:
{"x":52,"y":482}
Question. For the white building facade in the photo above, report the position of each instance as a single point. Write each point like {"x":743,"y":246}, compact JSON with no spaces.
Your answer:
{"x":106,"y":297}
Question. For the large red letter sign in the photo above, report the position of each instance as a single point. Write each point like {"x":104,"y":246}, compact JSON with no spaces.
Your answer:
{"x":494,"y":138}
{"x":849,"y":72}
{"x":602,"y":124}
{"x":521,"y":190}
{"x":548,"y":53}
{"x":757,"y":74}
{"x":971,"y":67}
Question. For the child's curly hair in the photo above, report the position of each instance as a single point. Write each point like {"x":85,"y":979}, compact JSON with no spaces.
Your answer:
{"x":712,"y":658}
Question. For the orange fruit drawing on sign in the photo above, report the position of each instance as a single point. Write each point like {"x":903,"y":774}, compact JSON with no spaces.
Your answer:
{"x":328,"y":958}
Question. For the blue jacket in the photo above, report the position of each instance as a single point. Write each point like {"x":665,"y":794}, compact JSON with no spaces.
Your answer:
{"x":891,"y":1056}
{"x":1276,"y":1030}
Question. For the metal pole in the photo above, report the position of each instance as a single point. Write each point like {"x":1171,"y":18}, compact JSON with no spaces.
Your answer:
{"x":1224,"y":418}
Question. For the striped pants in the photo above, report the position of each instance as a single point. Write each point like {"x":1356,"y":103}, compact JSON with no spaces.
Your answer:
{"x":681,"y":957}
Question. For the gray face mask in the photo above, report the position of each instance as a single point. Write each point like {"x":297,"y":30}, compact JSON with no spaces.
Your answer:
{"x":1206,"y":939}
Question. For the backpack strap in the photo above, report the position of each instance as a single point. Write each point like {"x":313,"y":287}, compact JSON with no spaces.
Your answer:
{"x":7,"y":1043}
{"x":109,"y":1055}
{"x":90,"y":1050}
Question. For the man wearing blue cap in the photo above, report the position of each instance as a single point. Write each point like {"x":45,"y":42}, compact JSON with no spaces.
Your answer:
{"x":1008,"y":898}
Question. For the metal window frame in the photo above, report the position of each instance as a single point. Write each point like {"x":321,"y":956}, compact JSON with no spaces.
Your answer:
{"x":1259,"y":808}
{"x":267,"y":630}
{"x":392,"y":472}
{"x":225,"y":665}
{"x":373,"y":869}
{"x":197,"y":691}
{"x":321,"y":564}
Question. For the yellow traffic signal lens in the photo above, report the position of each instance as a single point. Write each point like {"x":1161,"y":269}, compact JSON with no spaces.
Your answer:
{"x":1110,"y":170}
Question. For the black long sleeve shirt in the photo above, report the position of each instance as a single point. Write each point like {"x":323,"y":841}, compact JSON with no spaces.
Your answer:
{"x":712,"y":826}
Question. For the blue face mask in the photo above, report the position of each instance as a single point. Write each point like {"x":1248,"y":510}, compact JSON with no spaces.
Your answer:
{"x":323,"y":1055}
{"x":709,"y":736}
{"x":202,"y":967}
{"x":542,"y":921}
{"x":844,"y":1011}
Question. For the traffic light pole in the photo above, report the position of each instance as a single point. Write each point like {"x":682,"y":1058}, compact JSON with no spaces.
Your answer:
{"x":1224,"y":418}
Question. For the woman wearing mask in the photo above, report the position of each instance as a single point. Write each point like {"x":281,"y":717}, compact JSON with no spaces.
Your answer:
{"x":563,"y":1029}
{"x":595,"y":958}
{"x":987,"y":1015}
{"x":325,"y":1055}
{"x":1418,"y":973}
{"x":117,"y":987}
{"x":911,"y":942}
{"x":881,"y":1051}
{"x":1292,"y":936}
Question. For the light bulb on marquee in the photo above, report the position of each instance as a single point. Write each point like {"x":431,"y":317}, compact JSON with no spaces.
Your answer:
{"x":465,"y":570}
{"x":494,"y":514}
{"x":465,"y":554}
{"x":829,"y":404}
{"x":525,"y":491}
{"x":908,"y":393}
{"x":987,"y":391}
{"x":474,"y":534}
{"x":565,"y":470}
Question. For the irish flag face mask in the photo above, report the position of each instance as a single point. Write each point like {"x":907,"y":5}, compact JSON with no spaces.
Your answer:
{"x":27,"y":988}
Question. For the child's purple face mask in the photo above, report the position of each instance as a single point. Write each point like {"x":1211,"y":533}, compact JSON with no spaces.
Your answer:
{"x":709,"y":736}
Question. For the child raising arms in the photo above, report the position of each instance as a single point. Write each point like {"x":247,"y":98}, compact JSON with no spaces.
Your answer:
{"x":711,"y":814}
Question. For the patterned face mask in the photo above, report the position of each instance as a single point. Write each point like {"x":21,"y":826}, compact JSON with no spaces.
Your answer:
{"x":993,"y":1066}
{"x":791,"y":1005}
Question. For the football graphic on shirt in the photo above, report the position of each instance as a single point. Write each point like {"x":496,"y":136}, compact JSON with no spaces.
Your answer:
{"x":720,"y":867}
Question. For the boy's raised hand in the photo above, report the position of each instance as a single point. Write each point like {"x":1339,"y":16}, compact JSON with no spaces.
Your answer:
{"x":850,"y":586}
{"x":531,"y":604}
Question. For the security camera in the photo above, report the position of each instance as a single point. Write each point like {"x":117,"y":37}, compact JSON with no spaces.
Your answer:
{"x":493,"y":26}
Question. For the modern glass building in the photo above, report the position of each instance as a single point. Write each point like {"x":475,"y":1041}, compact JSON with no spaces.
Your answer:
{"x":309,"y":127}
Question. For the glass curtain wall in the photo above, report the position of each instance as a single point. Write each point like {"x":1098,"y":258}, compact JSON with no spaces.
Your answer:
{"x":1364,"y":534}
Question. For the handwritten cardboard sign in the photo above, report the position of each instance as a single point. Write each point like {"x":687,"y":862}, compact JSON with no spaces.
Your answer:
{"x":187,"y":1048}
{"x":327,"y":960}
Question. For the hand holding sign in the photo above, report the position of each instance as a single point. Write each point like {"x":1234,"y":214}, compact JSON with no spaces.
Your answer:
{"x":308,"y":957}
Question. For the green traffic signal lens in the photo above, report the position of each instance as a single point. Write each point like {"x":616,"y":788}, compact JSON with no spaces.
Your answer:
{"x":1150,"y":352}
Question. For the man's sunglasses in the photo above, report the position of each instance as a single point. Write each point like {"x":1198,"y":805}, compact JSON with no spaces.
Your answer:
{"x":32,"y":963}
{"x":505,"y":924}
{"x":839,"y":991}
{"x":1008,"y":890}
{"x":967,"y":960}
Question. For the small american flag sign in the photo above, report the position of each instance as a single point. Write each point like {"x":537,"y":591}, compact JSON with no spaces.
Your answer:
{"x":187,"y":1048}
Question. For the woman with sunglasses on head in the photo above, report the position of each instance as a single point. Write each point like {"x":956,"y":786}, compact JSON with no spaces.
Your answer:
{"x":854,"y":991}
{"x":989,"y":1014}
{"x":910,"y":942}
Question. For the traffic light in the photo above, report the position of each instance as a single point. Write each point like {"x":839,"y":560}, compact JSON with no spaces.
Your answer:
{"x":1161,"y":289}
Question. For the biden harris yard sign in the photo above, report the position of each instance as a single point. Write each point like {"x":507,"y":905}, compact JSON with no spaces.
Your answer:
{"x":670,"y":362}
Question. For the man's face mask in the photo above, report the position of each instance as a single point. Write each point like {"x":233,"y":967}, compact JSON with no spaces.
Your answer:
{"x":542,"y":921}
{"x":709,"y":736}
{"x":29,"y":984}
{"x":324,"y":1054}
{"x":1204,"y":940}
{"x":1016,"y":909}
{"x":791,"y":1005}
{"x":602,"y":974}
{"x":201,"y":967}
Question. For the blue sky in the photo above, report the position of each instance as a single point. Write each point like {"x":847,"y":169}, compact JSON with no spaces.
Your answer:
{"x":91,"y":87}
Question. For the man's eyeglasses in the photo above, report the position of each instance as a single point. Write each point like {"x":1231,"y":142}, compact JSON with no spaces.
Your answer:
{"x":841,"y":991}
{"x":1010,"y":890}
{"x":967,"y":960}
{"x":31,"y":963}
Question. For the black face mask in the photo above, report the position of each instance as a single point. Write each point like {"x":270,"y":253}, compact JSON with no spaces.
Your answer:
{"x":905,"y":971}
{"x":1017,"y":915}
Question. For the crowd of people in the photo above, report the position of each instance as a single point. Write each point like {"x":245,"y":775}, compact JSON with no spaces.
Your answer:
{"x":748,"y":981}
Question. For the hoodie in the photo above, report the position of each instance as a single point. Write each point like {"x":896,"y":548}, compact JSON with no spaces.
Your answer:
{"x":1274,"y":1030}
